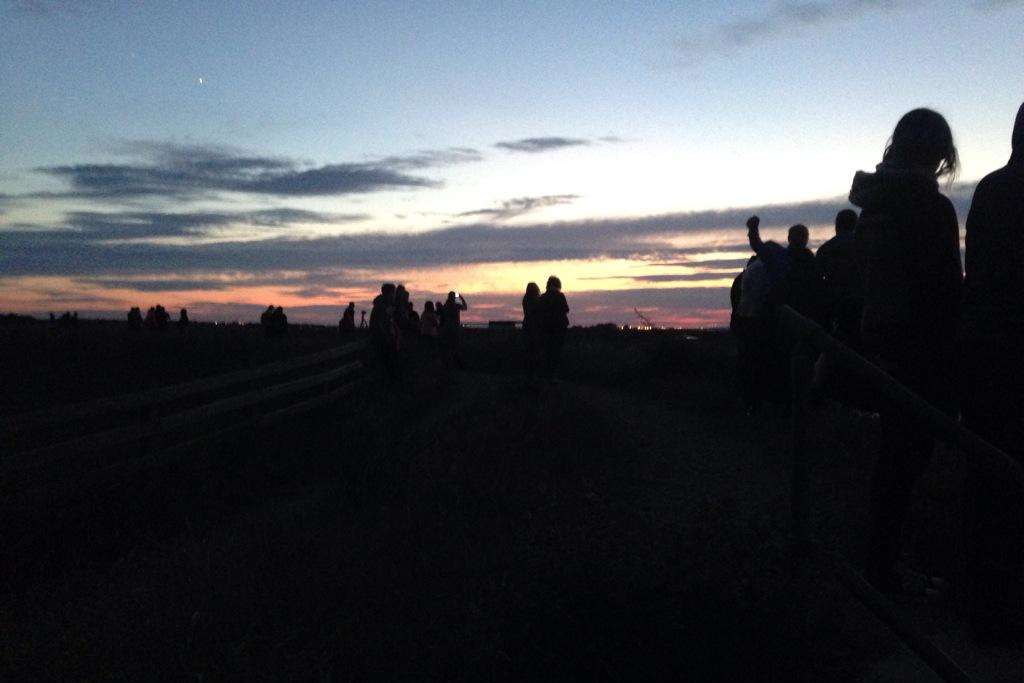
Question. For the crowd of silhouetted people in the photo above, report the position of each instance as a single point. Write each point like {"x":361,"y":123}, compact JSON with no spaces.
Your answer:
{"x":157,"y":318}
{"x":395,"y":324}
{"x":890,"y":285}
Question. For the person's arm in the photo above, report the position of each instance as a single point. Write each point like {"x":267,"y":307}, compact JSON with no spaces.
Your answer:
{"x":462,"y":303}
{"x":754,"y":235}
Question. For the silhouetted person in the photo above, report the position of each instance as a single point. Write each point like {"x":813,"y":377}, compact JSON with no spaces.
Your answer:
{"x":429,"y":324}
{"x":451,"y":326}
{"x":439,"y":310}
{"x":414,"y":319}
{"x":532,"y":323}
{"x":402,"y":308}
{"x":842,"y":307}
{"x":759,"y":363}
{"x":280,"y":322}
{"x":383,"y":331}
{"x":362,"y":320}
{"x":150,"y":319}
{"x":843,"y":285}
{"x":735,"y":290}
{"x":909,"y":245}
{"x":161,"y":318}
{"x":134,"y":318}
{"x":183,"y":320}
{"x":554,"y":310}
{"x":791,"y":270}
{"x":992,"y":401}
{"x":347,"y":324}
{"x":267,"y":321}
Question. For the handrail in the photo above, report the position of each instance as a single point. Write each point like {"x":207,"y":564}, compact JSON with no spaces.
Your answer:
{"x":941,"y":425}
{"x":40,"y":419}
{"x":804,"y":333}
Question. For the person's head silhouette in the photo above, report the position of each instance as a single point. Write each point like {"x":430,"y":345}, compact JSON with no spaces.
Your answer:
{"x":532,"y":290}
{"x":923,"y":141}
{"x":846,"y":221}
{"x":554,"y":284}
{"x":798,"y":236}
{"x":387,"y":290}
{"x":451,"y":297}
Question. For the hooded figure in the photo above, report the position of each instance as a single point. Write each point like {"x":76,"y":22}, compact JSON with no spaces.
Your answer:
{"x":994,"y":256}
{"x":908,"y":243}
{"x":992,"y":399}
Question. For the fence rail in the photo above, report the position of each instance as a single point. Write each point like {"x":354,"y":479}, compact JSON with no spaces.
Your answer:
{"x":48,"y":417}
{"x":806,"y":336}
{"x":249,"y":393}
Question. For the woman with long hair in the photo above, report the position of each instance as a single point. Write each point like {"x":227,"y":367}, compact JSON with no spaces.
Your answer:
{"x":531,"y":317}
{"x":909,"y":246}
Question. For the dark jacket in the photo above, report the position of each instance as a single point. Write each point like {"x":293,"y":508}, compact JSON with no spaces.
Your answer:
{"x":531,"y":308}
{"x":554,"y":311}
{"x":840,"y":272}
{"x":802,"y":288}
{"x":382,"y":324}
{"x":908,"y":243}
{"x":993,"y":304}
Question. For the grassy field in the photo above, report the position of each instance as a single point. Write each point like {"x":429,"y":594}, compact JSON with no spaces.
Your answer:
{"x":624,"y":521}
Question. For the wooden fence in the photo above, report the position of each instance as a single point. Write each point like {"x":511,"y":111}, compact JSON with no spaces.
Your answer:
{"x":183,"y":413}
{"x":806,"y":339}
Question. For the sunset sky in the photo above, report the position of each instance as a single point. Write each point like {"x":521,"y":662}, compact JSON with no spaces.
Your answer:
{"x":224,"y":156}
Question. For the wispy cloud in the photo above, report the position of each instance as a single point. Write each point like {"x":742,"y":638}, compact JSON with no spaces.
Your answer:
{"x":433,"y":158}
{"x":988,"y":5}
{"x":782,"y":18}
{"x":190,"y":171}
{"x":512,"y":208}
{"x":120,"y":225}
{"x":544,"y":144}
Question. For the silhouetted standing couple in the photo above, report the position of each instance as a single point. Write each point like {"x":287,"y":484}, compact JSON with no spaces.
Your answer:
{"x":545,"y":324}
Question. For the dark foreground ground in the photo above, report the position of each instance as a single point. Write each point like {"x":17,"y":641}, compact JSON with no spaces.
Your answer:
{"x":622,"y":522}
